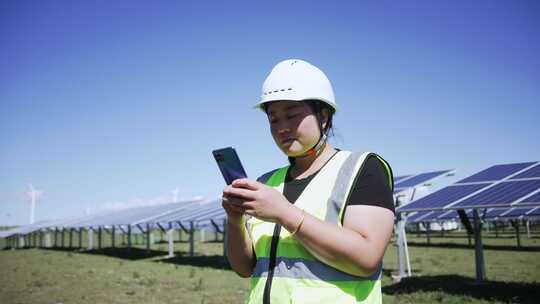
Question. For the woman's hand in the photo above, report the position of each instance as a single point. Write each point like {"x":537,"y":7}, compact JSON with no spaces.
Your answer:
{"x":257,"y":199}
{"x":232,"y":206}
{"x":239,"y":245}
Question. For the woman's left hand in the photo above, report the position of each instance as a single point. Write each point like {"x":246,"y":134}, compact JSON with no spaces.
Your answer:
{"x":260,"y":201}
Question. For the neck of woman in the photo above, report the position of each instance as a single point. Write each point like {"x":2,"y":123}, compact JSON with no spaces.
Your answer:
{"x":307,"y":165}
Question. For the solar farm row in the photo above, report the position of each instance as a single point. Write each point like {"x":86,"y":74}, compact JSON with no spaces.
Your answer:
{"x":493,"y":214}
{"x":204,"y":215}
{"x":499,"y":186}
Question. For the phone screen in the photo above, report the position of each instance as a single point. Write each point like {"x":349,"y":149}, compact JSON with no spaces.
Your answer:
{"x":229,"y":164}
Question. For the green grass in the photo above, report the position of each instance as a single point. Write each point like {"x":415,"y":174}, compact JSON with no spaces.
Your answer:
{"x":443,"y":273}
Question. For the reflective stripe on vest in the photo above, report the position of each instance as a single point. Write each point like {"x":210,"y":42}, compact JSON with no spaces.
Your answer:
{"x":346,"y":173}
{"x":296,"y":270}
{"x":299,"y":268}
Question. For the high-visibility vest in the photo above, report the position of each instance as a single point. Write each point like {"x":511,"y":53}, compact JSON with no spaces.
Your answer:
{"x":297,"y":276}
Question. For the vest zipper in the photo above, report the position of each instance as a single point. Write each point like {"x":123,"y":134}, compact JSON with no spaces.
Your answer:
{"x":271,"y":264}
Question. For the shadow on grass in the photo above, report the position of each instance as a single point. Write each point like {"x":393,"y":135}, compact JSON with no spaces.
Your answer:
{"x":464,"y":246}
{"x":127,"y":254}
{"x":187,"y":241}
{"x":214,"y":241}
{"x":507,"y":292}
{"x":212,"y":261}
{"x":121,"y":253}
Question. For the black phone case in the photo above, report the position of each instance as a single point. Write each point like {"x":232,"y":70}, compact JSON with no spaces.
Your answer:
{"x":229,"y":164}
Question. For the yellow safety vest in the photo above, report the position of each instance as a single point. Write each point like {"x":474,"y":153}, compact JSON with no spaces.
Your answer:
{"x":297,"y":276}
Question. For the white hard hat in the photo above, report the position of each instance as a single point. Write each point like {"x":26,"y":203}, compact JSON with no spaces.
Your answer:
{"x":297,"y":80}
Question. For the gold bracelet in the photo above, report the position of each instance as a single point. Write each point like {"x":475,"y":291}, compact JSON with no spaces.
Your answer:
{"x":299,"y":224}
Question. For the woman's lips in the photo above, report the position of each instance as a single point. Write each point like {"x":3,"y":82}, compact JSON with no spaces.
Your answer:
{"x":287,"y":140}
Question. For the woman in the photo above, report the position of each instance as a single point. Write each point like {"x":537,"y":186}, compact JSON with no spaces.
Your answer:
{"x":318,"y":228}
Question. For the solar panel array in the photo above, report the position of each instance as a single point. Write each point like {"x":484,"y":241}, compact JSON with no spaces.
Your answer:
{"x":497,"y":186}
{"x":180,"y":213}
{"x":130,"y":216}
{"x":493,"y":214}
{"x":519,"y":184}
{"x":202,"y":215}
{"x":23,"y":229}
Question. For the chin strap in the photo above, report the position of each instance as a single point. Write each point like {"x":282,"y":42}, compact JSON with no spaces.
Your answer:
{"x":318,"y":147}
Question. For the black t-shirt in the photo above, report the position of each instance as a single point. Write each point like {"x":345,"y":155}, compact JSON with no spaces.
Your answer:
{"x":371,"y":186}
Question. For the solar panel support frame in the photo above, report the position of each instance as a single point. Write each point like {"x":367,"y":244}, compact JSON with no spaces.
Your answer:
{"x":148,"y":237}
{"x":129,"y":237}
{"x":100,"y":238}
{"x":90,"y":238}
{"x":113,"y":236}
{"x":160,"y":226}
{"x":191,"y":239}
{"x":62,"y":237}
{"x":216,"y":226}
{"x":186,"y":230}
{"x":122,"y":229}
{"x":479,"y":252}
{"x":70,"y":238}
{"x":170,"y":240}
{"x":515,"y":224}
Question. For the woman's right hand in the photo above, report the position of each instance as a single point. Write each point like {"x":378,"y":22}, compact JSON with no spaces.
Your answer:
{"x":232,"y":204}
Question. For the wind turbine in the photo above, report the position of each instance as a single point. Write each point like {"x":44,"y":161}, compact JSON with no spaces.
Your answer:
{"x":175,"y":195}
{"x":34,"y":195}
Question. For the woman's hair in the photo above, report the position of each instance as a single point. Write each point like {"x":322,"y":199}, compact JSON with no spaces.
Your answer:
{"x":317,"y":107}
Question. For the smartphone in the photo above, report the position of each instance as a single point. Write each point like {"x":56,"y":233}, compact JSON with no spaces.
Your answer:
{"x":229,"y":164}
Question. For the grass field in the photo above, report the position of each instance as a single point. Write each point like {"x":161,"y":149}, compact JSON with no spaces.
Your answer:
{"x":444,"y":272}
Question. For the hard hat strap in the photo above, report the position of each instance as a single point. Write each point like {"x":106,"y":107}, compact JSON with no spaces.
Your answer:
{"x":317,"y":149}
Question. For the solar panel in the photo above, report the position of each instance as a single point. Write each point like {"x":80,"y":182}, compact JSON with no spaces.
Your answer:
{"x":535,"y":212}
{"x":437,"y":216}
{"x":496,"y":172}
{"x":419,"y":179}
{"x":397,"y":190}
{"x":188,"y":214}
{"x":432,"y":216}
{"x":130,"y":216}
{"x":504,"y":193}
{"x":442,"y":197}
{"x":533,"y":199}
{"x":212,"y":214}
{"x":516,"y":212}
{"x":530,"y":173}
{"x":206,"y":214}
{"x":26,"y":229}
{"x":210,"y":224}
{"x":406,"y":182}
{"x":399,"y":178}
{"x":20,"y":230}
{"x":418,"y":216}
{"x":482,"y":190}
{"x":448,"y":215}
{"x":496,"y":212}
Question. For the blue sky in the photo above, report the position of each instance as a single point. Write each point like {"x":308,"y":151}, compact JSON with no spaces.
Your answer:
{"x":116,"y":104}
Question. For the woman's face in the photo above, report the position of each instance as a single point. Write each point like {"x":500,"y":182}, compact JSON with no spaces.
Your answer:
{"x":294,"y":126}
